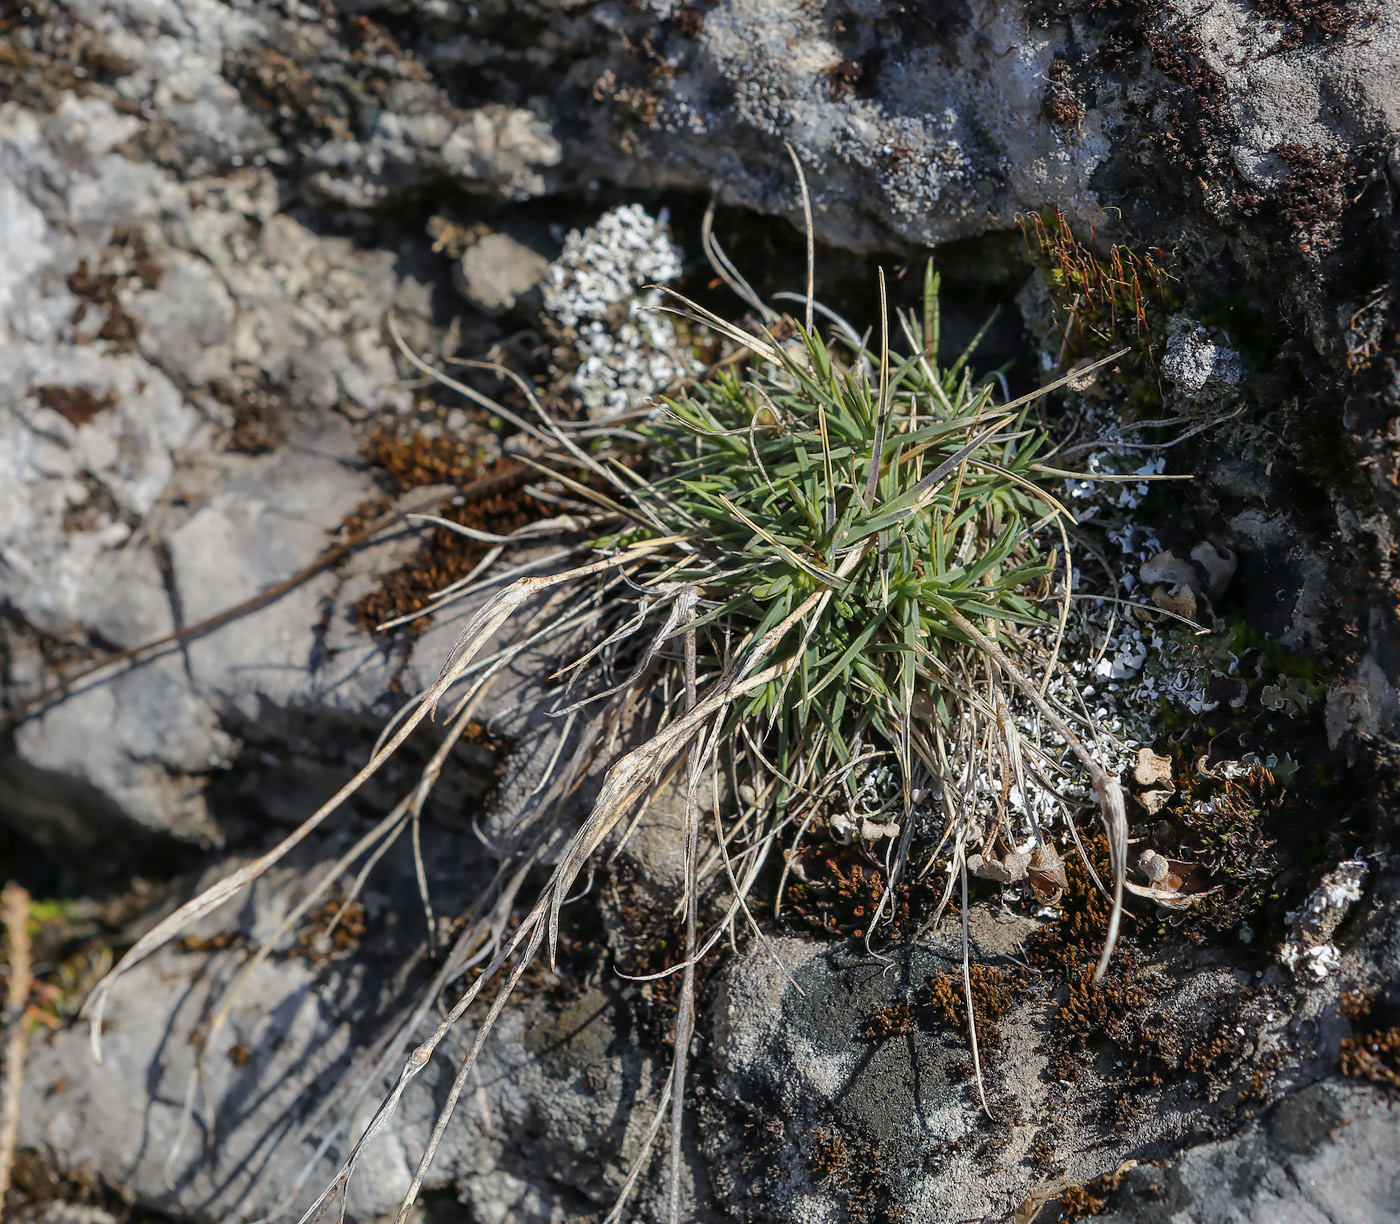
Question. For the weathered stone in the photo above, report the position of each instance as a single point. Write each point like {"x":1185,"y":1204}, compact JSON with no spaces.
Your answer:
{"x":497,"y":271}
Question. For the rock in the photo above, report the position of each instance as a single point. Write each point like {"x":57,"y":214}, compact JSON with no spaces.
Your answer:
{"x":1323,"y":1156}
{"x":148,"y":741}
{"x":144,"y":311}
{"x":210,"y":210}
{"x":497,"y":271}
{"x":1195,"y":363}
{"x":811,"y":1113}
{"x":571,"y":1072}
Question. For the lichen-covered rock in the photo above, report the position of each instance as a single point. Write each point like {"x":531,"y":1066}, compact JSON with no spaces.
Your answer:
{"x":174,"y":176}
{"x":841,"y":1087}
{"x":497,"y":271}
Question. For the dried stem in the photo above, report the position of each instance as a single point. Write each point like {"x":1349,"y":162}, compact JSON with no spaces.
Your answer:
{"x":14,"y":908}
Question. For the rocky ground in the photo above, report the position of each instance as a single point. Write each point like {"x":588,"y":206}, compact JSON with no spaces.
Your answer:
{"x":210,"y":212}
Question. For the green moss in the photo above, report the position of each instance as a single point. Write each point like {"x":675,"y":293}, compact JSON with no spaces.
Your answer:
{"x":1102,"y":301}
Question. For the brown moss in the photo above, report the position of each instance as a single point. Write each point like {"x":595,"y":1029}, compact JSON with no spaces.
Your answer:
{"x":829,"y":1156}
{"x":59,"y":652}
{"x":887,"y":1020}
{"x":1079,"y":1202}
{"x":1119,"y":47}
{"x":126,"y":259}
{"x":1096,"y":1011}
{"x":1064,"y":109}
{"x":316,"y":941}
{"x":1075,"y":938}
{"x":257,"y":419}
{"x":1120,"y":1017}
{"x":325,"y":89}
{"x":1316,"y":193}
{"x":853,"y":1171}
{"x":47,"y":52}
{"x":689,"y":19}
{"x":39,"y":1191}
{"x":1233,"y":830}
{"x":1321,"y":20}
{"x":411,"y":461}
{"x":993,"y":993}
{"x":842,"y":78}
{"x":1044,"y":1146}
{"x":77,"y":405}
{"x":836,"y":890}
{"x":1091,"y":1198}
{"x":213,"y":943}
{"x":368,"y":511}
{"x":140,"y":262}
{"x":1373,"y":1052}
{"x":640,"y":934}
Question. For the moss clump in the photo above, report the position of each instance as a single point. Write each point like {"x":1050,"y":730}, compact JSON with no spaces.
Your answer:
{"x":411,"y":461}
{"x":888,"y":1020}
{"x":1123,"y":1016}
{"x":1104,"y":301}
{"x":1372,"y":1052}
{"x":1232,"y":830}
{"x":839,"y":891}
{"x":1079,"y":1202}
{"x":993,"y":993}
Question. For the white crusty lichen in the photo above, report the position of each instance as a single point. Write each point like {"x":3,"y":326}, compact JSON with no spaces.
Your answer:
{"x":597,"y":287}
{"x":1308,"y":951}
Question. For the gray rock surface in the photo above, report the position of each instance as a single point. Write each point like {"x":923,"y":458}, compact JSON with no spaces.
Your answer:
{"x":1324,"y":1157}
{"x":174,"y":177}
{"x":799,"y":1114}
{"x":808,"y":1117}
{"x":1195,"y":363}
{"x":555,"y":1112}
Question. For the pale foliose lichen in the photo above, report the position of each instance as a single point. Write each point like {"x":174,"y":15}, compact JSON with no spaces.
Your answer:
{"x":1308,"y":951}
{"x":597,"y":287}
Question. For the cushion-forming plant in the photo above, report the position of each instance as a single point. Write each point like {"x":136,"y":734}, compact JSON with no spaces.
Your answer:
{"x":827,"y":561}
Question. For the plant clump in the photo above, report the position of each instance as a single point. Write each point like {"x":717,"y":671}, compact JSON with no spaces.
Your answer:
{"x":805,"y":485}
{"x":828,"y":578}
{"x":412,"y":461}
{"x":993,"y":993}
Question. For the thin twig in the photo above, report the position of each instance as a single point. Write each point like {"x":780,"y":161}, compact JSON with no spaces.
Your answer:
{"x":14,"y":904}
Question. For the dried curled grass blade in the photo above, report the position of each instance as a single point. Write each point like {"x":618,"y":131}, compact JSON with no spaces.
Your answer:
{"x":477,"y":633}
